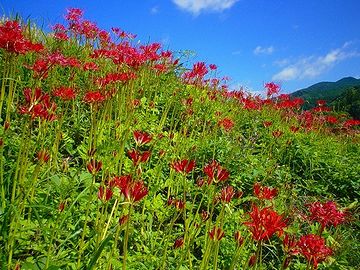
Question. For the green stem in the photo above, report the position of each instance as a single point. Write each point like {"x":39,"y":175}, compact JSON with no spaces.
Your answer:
{"x":126,"y":239}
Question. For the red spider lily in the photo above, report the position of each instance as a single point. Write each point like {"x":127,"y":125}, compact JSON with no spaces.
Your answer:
{"x":38,"y":104}
{"x":321,"y":102}
{"x":331,"y":119}
{"x":252,"y":260}
{"x":216,"y":234}
{"x":212,"y":67}
{"x":138,"y":157}
{"x":105,"y":193}
{"x":289,"y":244}
{"x":121,"y":181}
{"x":272,"y":88}
{"x":267,"y":123}
{"x":265,"y":223}
{"x":94,"y":166}
{"x":226,"y":123}
{"x":227,"y":193}
{"x":90,"y":66}
{"x":216,"y":172}
{"x":13,"y":41}
{"x":141,"y":137}
{"x":184,"y":166}
{"x":74,"y":14}
{"x":134,"y":191}
{"x":65,"y":93}
{"x":200,"y":182}
{"x":326,"y":214}
{"x":61,"y":206}
{"x":322,"y":109}
{"x":179,"y":243}
{"x":43,"y":156}
{"x":294,"y":129}
{"x":123,"y":219}
{"x":350,"y":123}
{"x":313,"y":248}
{"x":93,"y":97}
{"x":277,"y":133}
{"x":263,"y":192}
{"x":205,"y":215}
{"x":238,"y":238}
{"x":179,"y":204}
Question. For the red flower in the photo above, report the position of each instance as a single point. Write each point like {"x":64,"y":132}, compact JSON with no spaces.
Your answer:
{"x":227,"y":193}
{"x":267,"y":123}
{"x":272,"y":88}
{"x":134,"y":191}
{"x":183,"y":166}
{"x":12,"y":39}
{"x":263,"y":192}
{"x":326,"y":214}
{"x":38,"y":104}
{"x":212,"y":66}
{"x":123,"y":219}
{"x":290,"y":245}
{"x":204,"y":215}
{"x":94,"y":166}
{"x":216,"y":234}
{"x":216,"y":172}
{"x":179,"y":242}
{"x":313,"y":248}
{"x":226,"y":123}
{"x":105,"y":193}
{"x":141,"y":137}
{"x":138,"y":157}
{"x":93,"y":97}
{"x":43,"y":156}
{"x":264,"y":223}
{"x":65,"y":93}
{"x":277,"y":133}
{"x":74,"y":14}
{"x":331,"y":119}
{"x":238,"y":238}
{"x":90,"y":66}
{"x":321,"y":102}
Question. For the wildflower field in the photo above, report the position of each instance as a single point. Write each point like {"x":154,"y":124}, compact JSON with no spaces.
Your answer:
{"x":121,"y":155}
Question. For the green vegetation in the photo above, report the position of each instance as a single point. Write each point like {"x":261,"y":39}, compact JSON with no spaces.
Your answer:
{"x":113,"y":155}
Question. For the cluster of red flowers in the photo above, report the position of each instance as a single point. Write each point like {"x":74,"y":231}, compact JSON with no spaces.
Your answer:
{"x":65,"y":93}
{"x":216,"y":234}
{"x":263,"y":192}
{"x":12,"y":39}
{"x":215,"y":172}
{"x":133,"y":191}
{"x":141,"y":137}
{"x":265,"y":223}
{"x":38,"y":104}
{"x":226,"y":123}
{"x":184,"y":166}
{"x":326,"y":214}
{"x":313,"y":248}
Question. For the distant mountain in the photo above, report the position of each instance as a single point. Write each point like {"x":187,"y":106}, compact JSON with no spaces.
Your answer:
{"x":328,"y":91}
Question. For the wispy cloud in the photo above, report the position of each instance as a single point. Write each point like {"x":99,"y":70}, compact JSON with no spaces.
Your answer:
{"x":313,"y":66}
{"x":154,"y":10}
{"x":263,"y":50}
{"x":198,"y":6}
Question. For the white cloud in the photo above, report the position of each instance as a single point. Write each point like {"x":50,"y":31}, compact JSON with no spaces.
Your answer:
{"x":313,"y":66}
{"x":263,"y":50}
{"x":197,"y":6}
{"x":154,"y":10}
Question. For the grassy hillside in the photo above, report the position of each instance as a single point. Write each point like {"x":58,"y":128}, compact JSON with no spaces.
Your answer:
{"x":113,"y":155}
{"x":327,"y":91}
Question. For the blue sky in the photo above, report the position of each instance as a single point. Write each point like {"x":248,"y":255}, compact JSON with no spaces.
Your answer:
{"x":292,"y":42}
